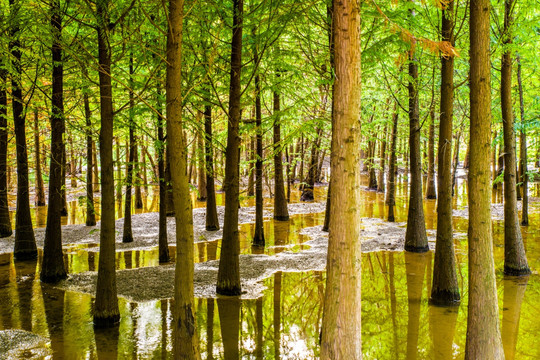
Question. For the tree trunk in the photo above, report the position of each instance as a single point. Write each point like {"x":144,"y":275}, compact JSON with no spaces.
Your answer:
{"x":392,"y":168}
{"x":372,"y":148}
{"x":228,"y":282}
{"x":186,"y":343}
{"x":455,"y":161}
{"x":431,"y":192}
{"x":281,"y":212}
{"x":523,"y":152}
{"x":415,"y":236}
{"x":5,"y":221}
{"x":25,"y":242}
{"x":382,"y":160}
{"x":515,"y":261}
{"x":494,"y":160}
{"x":251,"y":179}
{"x":52,"y":266}
{"x":137,"y":178}
{"x":90,"y":211}
{"x":40,"y":189}
{"x":106,"y":311}
{"x":307,"y":189}
{"x":202,"y":166}
{"x":73,"y":164}
{"x":63,"y":209}
{"x":170,"y":201}
{"x":341,"y":323}
{"x":96,"y":168}
{"x":483,"y":335}
{"x":164,"y":256}
{"x":445,"y":289}
{"x":467,"y":157}
{"x":258,"y":237}
{"x":212,"y":221}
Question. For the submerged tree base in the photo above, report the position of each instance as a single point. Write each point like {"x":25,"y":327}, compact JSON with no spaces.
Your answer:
{"x":229,"y":291}
{"x":307,"y":195}
{"x":416,"y":249}
{"x":5,"y":232}
{"x":53,"y":279}
{"x":25,"y":255}
{"x":445,"y":298}
{"x":212,"y":228}
{"x":127,"y":238}
{"x":510,"y":271}
{"x":106,"y":321}
{"x":281,"y":218}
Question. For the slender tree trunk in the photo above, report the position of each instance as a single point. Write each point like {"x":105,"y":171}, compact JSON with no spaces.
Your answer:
{"x":515,"y":260}
{"x":40,"y":189}
{"x":483,"y":335}
{"x":281,"y":212}
{"x":467,"y":157}
{"x":307,"y":190}
{"x":90,"y":211}
{"x":170,"y":201}
{"x":96,"y":168}
{"x":494,"y":160}
{"x":415,"y":236}
{"x":25,"y":243}
{"x":200,"y":156}
{"x":372,"y":182}
{"x":63,"y":209}
{"x":251,"y":179}
{"x":212,"y":221}
{"x":228,"y":282}
{"x":445,"y":289}
{"x":52,"y":267}
{"x":106,"y":311}
{"x":137,"y":178}
{"x":5,"y":221}
{"x":258,"y":237}
{"x":431,"y":192}
{"x":162,"y":235}
{"x":288,"y":170}
{"x":73,"y":164}
{"x":392,"y":168}
{"x":382,"y":160}
{"x":127,"y":232}
{"x":341,"y":323}
{"x":186,"y":342}
{"x":523,"y":152}
{"x":455,"y":161}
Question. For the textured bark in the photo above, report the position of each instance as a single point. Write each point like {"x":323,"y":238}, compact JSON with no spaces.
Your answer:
{"x":212,"y":221}
{"x":341,"y":323}
{"x":186,"y":342}
{"x":483,"y":335}
{"x":431,"y":192}
{"x":415,"y":236}
{"x":25,"y":243}
{"x":90,"y":211}
{"x":523,"y":153}
{"x":392,"y":167}
{"x":162,"y":234}
{"x":5,"y":222}
{"x":326,"y":225}
{"x":106,"y":311}
{"x":40,"y":188}
{"x":445,"y":289}
{"x":258,"y":237}
{"x":307,"y":189}
{"x":515,"y":260}
{"x":52,"y":266}
{"x":228,"y":282}
{"x":281,"y":212}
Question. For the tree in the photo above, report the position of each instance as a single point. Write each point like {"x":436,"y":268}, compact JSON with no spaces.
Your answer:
{"x":212,"y":221}
{"x":281,"y":212}
{"x":523,"y":152}
{"x":483,"y":335}
{"x":5,"y":221}
{"x":228,"y":282}
{"x":25,"y":242}
{"x":186,"y":344}
{"x":515,"y":260}
{"x":128,"y":233}
{"x":90,"y":211}
{"x":52,"y":267}
{"x":445,"y":290}
{"x":341,"y":327}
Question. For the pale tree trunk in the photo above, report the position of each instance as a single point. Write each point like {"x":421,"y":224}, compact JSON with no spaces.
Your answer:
{"x":186,"y":342}
{"x":483,"y":335}
{"x":341,"y":324}
{"x":515,"y":260}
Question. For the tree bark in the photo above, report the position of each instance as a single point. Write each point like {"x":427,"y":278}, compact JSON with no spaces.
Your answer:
{"x":25,"y":242}
{"x":202,"y":166}
{"x":382,"y":160}
{"x":40,"y":188}
{"x":392,"y":168}
{"x":258,"y":237}
{"x":515,"y":260}
{"x":164,"y":256}
{"x":281,"y":212}
{"x":52,"y":266}
{"x":445,"y":289}
{"x":523,"y":152}
{"x":90,"y":211}
{"x":483,"y":335}
{"x":212,"y":221}
{"x":431,"y":192}
{"x":228,"y":282}
{"x":341,"y":324}
{"x":5,"y":221}
{"x":106,"y":311}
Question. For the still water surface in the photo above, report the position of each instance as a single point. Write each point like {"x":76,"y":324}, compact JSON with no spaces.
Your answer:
{"x":397,"y":321}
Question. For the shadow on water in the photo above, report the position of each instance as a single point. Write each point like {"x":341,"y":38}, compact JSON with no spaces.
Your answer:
{"x":284,"y":323}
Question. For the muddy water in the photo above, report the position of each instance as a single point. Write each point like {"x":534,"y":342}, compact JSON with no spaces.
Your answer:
{"x":397,"y":321}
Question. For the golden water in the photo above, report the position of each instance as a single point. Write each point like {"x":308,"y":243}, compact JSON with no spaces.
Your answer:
{"x":397,"y":321}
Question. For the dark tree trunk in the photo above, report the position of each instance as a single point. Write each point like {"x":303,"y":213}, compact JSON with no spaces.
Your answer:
{"x":251,"y":179}
{"x":258,"y":237}
{"x":25,"y":243}
{"x":128,"y":232}
{"x":523,"y":152}
{"x":40,"y":189}
{"x":456,"y":160}
{"x":431,"y":192}
{"x":95,"y":170}
{"x":326,"y":225}
{"x":63,"y":209}
{"x":52,"y":267}
{"x":494,"y":160}
{"x":372,"y":182}
{"x":5,"y":221}
{"x":90,"y":211}
{"x":212,"y":221}
{"x":415,"y":236}
{"x":483,"y":334}
{"x":445,"y":289}
{"x":382,"y":160}
{"x":170,"y":201}
{"x":136,"y":179}
{"x":309,"y":184}
{"x":73,"y":164}
{"x":392,"y":167}
{"x":466,"y":160}
{"x":201,"y":182}
{"x":228,"y":282}
{"x":281,"y":212}
{"x":162,"y":236}
{"x":106,"y":311}
{"x":515,"y":260}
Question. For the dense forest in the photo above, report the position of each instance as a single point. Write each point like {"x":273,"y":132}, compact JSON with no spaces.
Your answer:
{"x":342,"y":179}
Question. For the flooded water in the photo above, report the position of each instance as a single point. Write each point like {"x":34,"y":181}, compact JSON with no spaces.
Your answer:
{"x":397,"y":321}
